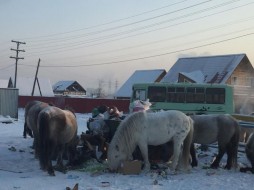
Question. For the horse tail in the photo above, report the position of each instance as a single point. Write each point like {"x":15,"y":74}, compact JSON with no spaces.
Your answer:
{"x":187,"y":144}
{"x":44,"y":146}
{"x":234,"y":142}
{"x":27,"y":130}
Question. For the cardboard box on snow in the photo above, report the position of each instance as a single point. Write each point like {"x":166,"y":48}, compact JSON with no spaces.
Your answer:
{"x":130,"y":167}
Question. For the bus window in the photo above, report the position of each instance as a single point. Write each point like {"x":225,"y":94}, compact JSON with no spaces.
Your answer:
{"x":190,"y":95}
{"x":200,"y":95}
{"x":139,"y":94}
{"x":156,"y":94}
{"x":215,"y":95}
{"x":195,"y":95}
{"x":171,"y":95}
{"x":180,"y":95}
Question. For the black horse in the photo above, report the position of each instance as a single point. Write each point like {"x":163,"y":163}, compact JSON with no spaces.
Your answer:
{"x":249,"y":150}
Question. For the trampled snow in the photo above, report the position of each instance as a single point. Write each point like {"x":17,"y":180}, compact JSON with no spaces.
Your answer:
{"x":19,"y":170}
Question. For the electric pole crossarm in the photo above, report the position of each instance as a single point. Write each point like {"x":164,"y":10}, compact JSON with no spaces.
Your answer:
{"x":18,"y":42}
{"x":19,"y":50}
{"x":16,"y":57}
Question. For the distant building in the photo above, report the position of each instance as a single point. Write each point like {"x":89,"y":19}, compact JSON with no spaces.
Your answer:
{"x":234,"y":69}
{"x":139,"y":76}
{"x":68,"y":88}
{"x":6,"y":83}
{"x":42,"y":87}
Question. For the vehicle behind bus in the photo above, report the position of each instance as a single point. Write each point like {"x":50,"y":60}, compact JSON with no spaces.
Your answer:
{"x":190,"y":98}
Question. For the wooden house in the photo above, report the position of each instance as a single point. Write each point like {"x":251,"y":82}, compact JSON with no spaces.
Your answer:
{"x":68,"y":88}
{"x":234,"y":69}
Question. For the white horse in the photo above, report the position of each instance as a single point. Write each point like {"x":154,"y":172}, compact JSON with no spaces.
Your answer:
{"x":154,"y":128}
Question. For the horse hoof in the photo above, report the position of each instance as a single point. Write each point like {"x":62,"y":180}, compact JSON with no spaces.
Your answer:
{"x":227,"y":167}
{"x":213,"y":166}
{"x":52,"y":173}
{"x":243,"y":170}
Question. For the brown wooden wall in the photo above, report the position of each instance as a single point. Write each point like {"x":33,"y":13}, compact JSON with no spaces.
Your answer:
{"x":80,"y":105}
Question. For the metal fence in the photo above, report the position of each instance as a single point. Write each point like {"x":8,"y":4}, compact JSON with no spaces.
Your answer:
{"x":9,"y":102}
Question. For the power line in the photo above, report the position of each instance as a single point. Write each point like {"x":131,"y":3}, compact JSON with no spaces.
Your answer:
{"x":53,"y":40}
{"x":107,"y":23}
{"x":83,"y":44}
{"x":148,"y":57}
{"x":166,"y":39}
{"x":6,"y":67}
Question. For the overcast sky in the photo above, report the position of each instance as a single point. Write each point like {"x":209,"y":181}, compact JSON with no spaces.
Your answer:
{"x":107,"y":40}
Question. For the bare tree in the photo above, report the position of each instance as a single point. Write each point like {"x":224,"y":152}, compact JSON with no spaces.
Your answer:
{"x":100,"y":90}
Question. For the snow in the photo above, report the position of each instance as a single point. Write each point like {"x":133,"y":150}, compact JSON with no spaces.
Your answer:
{"x":20,"y":170}
{"x":25,"y":86}
{"x":142,"y":76}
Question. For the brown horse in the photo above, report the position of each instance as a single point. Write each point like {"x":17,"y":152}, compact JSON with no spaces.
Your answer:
{"x":57,"y":132}
{"x":32,"y":111}
{"x":223,"y":129}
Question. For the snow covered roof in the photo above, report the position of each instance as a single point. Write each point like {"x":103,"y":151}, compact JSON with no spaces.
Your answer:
{"x":139,"y":76}
{"x":63,"y":85}
{"x":211,"y":67}
{"x":196,"y":76}
{"x":6,"y":83}
{"x":25,"y":86}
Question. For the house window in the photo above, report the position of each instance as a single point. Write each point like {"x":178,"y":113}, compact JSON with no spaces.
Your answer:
{"x":234,"y":81}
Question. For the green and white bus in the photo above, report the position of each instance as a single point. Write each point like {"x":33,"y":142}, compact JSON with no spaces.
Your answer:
{"x":190,"y":98}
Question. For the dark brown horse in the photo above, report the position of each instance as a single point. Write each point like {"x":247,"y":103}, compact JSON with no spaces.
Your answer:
{"x":57,"y":132}
{"x":27,"y":130}
{"x":249,"y":150}
{"x":32,"y":111}
{"x":223,"y":129}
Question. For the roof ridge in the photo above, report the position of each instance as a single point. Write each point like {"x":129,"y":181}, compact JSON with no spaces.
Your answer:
{"x":228,"y":55}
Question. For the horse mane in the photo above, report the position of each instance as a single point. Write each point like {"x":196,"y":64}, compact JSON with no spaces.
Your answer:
{"x":125,"y":136}
{"x":70,"y":109}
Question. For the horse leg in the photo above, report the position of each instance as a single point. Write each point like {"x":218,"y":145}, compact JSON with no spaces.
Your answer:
{"x":186,"y":149}
{"x":176,"y":155}
{"x":59,"y":164}
{"x":50,"y":167}
{"x":144,"y":151}
{"x":194,"y":162}
{"x":36,"y":147}
{"x":30,"y":132}
{"x":229,"y":157}
{"x":24,"y":131}
{"x":221,"y":152}
{"x":51,"y":150}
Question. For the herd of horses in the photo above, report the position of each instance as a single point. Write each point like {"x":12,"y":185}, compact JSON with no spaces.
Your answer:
{"x":55,"y":135}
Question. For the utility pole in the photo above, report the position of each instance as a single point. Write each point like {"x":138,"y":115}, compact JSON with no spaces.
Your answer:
{"x":17,"y":58}
{"x":36,"y":78}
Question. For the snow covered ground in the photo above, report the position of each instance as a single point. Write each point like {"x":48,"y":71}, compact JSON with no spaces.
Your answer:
{"x":20,"y":170}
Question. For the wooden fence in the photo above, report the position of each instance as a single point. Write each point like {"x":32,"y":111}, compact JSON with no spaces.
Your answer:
{"x":80,"y":105}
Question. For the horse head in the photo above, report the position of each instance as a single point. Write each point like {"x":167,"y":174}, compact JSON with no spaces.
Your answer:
{"x":115,"y":156}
